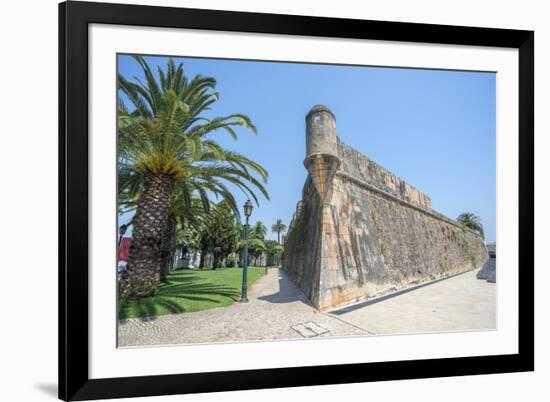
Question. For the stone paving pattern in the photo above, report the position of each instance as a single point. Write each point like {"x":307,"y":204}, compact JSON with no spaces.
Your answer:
{"x":274,"y":307}
{"x":278,"y":310}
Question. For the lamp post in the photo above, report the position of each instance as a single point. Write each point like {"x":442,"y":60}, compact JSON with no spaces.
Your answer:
{"x":121,"y":231}
{"x":247,"y":212}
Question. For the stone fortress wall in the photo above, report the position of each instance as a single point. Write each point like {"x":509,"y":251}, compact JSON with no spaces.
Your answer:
{"x":360,"y":231}
{"x":361,"y":169}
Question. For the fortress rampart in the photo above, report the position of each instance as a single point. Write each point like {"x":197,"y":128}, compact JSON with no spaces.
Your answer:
{"x":360,"y":231}
{"x":363,"y":171}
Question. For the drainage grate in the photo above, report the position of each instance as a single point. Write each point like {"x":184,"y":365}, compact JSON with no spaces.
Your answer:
{"x":310,"y":329}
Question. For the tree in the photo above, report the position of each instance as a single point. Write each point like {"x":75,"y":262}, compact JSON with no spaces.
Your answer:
{"x":187,"y":239}
{"x":471,"y":221}
{"x":256,"y":245}
{"x":165,"y":143}
{"x":258,"y":231}
{"x":167,"y":246}
{"x":187,"y":213}
{"x":278,"y":227}
{"x":274,"y":252}
{"x":220,"y":233}
{"x":189,"y":217}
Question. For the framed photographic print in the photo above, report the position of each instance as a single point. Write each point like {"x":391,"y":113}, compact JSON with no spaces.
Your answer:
{"x":258,"y":200}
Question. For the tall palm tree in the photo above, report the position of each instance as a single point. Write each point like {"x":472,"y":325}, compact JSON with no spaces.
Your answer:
{"x":471,"y":221}
{"x":278,"y":227}
{"x":164,"y":144}
{"x":186,"y":208}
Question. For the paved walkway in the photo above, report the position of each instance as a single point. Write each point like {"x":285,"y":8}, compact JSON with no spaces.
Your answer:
{"x":277,"y":310}
{"x":460,"y":303}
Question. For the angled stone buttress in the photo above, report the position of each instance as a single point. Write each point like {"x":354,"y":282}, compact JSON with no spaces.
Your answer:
{"x":360,"y":231}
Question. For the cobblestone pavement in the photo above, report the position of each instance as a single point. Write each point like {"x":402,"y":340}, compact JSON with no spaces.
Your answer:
{"x":277,"y":310}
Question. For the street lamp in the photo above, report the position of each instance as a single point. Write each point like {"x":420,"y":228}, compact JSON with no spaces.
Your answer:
{"x":247,"y":212}
{"x":121,"y":231}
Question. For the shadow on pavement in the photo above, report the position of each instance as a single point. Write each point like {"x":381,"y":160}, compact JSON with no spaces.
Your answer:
{"x":287,"y":293}
{"x":379,"y":299}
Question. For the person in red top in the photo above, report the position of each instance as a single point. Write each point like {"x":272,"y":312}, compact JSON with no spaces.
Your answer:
{"x":123,"y":253}
{"x":124,"y":249}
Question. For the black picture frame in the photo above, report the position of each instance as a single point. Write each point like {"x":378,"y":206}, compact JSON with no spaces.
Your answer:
{"x":74,"y":381}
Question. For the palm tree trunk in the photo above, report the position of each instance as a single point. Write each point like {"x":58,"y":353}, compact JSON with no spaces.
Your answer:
{"x":216,"y":261}
{"x":202,"y":260}
{"x":167,"y":246}
{"x":172,"y":259}
{"x":279,"y":236}
{"x":142,"y":274}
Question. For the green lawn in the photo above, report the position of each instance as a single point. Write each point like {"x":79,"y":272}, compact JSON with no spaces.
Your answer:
{"x":189,"y":290}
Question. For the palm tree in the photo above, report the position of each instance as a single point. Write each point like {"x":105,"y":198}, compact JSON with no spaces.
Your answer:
{"x":185,"y":215}
{"x":256,"y":242}
{"x":278,"y":227}
{"x":185,"y":210}
{"x":274,"y":252}
{"x":258,"y":231}
{"x":471,"y":221}
{"x":256,"y":247}
{"x":164,"y":145}
{"x":187,"y":239}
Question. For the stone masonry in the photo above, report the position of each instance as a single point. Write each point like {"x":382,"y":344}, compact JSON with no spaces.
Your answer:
{"x":360,"y":231}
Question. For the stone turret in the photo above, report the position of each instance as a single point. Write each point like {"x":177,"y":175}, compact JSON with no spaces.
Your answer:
{"x":360,"y":231}
{"x":322,"y":159}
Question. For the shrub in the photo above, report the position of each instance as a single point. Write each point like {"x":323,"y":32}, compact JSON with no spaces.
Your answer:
{"x":230,"y":261}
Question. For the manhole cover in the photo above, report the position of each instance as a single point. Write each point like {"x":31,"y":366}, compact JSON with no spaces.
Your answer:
{"x":310,"y":329}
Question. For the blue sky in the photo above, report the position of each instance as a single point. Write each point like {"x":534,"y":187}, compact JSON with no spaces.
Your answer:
{"x":434,"y":129}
